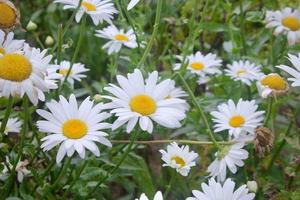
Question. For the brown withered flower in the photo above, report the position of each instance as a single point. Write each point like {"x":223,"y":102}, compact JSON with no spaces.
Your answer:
{"x":263,"y":140}
{"x":9,"y":15}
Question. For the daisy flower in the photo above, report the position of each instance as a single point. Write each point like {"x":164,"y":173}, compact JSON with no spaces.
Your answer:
{"x":21,"y":170}
{"x":136,"y":100}
{"x":75,"y":74}
{"x":237,"y":119}
{"x":132,"y":4}
{"x":117,"y":38}
{"x":8,"y":44}
{"x":158,"y":196}
{"x":293,"y":72}
{"x":285,"y":21}
{"x":98,"y":10}
{"x":202,"y":65}
{"x":179,"y":158}
{"x":216,"y":191}
{"x":9,"y":15}
{"x":74,"y":128}
{"x":229,"y":157}
{"x":177,"y":92}
{"x":271,"y":84}
{"x":24,"y":73}
{"x":243,"y":71}
{"x":13,"y":126}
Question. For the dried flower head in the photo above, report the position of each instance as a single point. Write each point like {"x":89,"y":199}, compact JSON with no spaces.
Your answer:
{"x":9,"y":15}
{"x":263,"y":140}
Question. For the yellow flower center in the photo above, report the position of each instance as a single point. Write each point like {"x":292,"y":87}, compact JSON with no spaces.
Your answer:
{"x":7,"y":16}
{"x":237,"y":121}
{"x":197,"y":66}
{"x":241,"y":72}
{"x":274,"y":82}
{"x":88,"y":6}
{"x":64,"y":72}
{"x":291,"y":22}
{"x":74,"y":129}
{"x":143,"y":104}
{"x":15,"y":67}
{"x":2,"y":50}
{"x":179,"y":161}
{"x":121,"y":37}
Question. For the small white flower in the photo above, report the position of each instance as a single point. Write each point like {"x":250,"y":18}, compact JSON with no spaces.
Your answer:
{"x":179,"y":158}
{"x":285,"y":21}
{"x":252,"y":185}
{"x":293,"y":72}
{"x":98,"y":10}
{"x":237,"y":119}
{"x":20,"y":169}
{"x":132,"y":4}
{"x":76,"y":128}
{"x":13,"y":126}
{"x":158,"y":196}
{"x":177,"y":92}
{"x":231,"y":157}
{"x":243,"y":71}
{"x":117,"y":38}
{"x":136,"y":100}
{"x":8,"y":44}
{"x":271,"y":84}
{"x":216,"y":191}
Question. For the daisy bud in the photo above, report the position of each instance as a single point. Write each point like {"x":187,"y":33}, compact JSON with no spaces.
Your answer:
{"x":97,"y":97}
{"x":252,"y":186}
{"x":49,"y":40}
{"x":263,"y":140}
{"x":9,"y":15}
{"x":31,"y":26}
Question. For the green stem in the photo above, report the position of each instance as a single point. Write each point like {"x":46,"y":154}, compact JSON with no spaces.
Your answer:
{"x":168,"y":187}
{"x":7,"y":113}
{"x":269,"y":111}
{"x":195,"y":142}
{"x":290,"y":183}
{"x":109,"y":174}
{"x":191,"y":94}
{"x":244,"y":45}
{"x":154,"y":33}
{"x":59,"y":43}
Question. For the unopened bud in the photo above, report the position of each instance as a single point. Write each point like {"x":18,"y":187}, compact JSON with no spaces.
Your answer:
{"x":252,"y":186}
{"x":97,"y":97}
{"x":31,"y":26}
{"x":49,"y":41}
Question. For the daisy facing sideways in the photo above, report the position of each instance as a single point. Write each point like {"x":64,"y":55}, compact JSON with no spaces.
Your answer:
{"x":179,"y":158}
{"x":74,"y":127}
{"x":216,"y":191}
{"x":8,"y":44}
{"x":76,"y":72}
{"x":295,"y":72}
{"x":138,"y":101}
{"x":117,"y":38}
{"x":243,"y":71}
{"x":13,"y":126}
{"x":98,"y":10}
{"x":271,"y":85}
{"x":158,"y":196}
{"x":285,"y":21}
{"x":239,"y":118}
{"x":229,"y":157}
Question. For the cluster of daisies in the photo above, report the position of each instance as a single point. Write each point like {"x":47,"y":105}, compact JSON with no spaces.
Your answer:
{"x":139,"y":102}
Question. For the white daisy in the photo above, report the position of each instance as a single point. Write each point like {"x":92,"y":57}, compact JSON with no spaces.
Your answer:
{"x":13,"y":126}
{"x":285,"y":21}
{"x":98,"y":10}
{"x":231,"y":157}
{"x":20,"y":169}
{"x":76,"y":128}
{"x":201,"y":65}
{"x":293,"y":72}
{"x":237,"y":119}
{"x":179,"y":158}
{"x":144,"y":101}
{"x":158,"y":196}
{"x":132,"y":4}
{"x":75,"y":74}
{"x":8,"y":44}
{"x":243,"y":71}
{"x":216,"y":191}
{"x":117,"y":38}
{"x":271,"y":84}
{"x":25,"y":72}
{"x":177,"y":92}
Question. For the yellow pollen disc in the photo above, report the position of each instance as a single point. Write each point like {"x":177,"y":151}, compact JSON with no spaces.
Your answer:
{"x":291,"y":22}
{"x":8,"y":16}
{"x":74,"y":129}
{"x":88,"y":6}
{"x":237,"y":121}
{"x":15,"y":67}
{"x":197,"y":66}
{"x":2,"y":50}
{"x":143,"y":104}
{"x":179,"y":161}
{"x":121,"y":37}
{"x":241,"y":72}
{"x":64,"y":72}
{"x":274,"y":82}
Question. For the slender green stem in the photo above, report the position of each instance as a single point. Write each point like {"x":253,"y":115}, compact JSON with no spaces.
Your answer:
{"x":109,"y":174}
{"x":290,"y":183}
{"x":59,"y":43}
{"x":150,"y":142}
{"x":269,"y":111}
{"x":38,"y":40}
{"x":168,"y":187}
{"x":154,"y":33}
{"x":7,"y":113}
{"x":202,"y":114}
{"x":242,"y":29}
